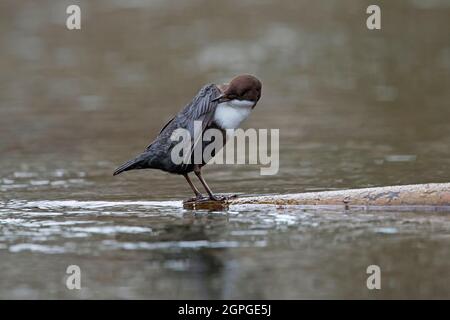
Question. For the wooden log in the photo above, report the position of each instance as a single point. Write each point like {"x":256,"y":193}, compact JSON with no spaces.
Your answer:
{"x":430,"y":194}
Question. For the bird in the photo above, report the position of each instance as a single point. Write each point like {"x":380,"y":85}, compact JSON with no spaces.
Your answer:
{"x":222,"y":107}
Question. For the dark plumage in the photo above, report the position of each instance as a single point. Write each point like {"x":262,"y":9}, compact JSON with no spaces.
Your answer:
{"x":202,"y":108}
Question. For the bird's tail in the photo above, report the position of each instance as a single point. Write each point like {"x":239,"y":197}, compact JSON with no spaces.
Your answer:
{"x":136,"y":163}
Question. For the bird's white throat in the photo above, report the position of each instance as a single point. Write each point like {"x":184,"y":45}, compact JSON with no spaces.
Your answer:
{"x":230,"y":114}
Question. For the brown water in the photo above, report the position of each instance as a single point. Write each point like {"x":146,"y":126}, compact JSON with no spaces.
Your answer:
{"x":355,"y":108}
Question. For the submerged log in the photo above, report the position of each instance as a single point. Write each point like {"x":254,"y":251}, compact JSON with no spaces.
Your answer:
{"x":430,"y":194}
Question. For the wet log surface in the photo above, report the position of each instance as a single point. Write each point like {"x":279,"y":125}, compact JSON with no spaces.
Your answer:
{"x":431,"y":195}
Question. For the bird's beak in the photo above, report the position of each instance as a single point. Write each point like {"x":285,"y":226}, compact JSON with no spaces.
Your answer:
{"x":221,"y":98}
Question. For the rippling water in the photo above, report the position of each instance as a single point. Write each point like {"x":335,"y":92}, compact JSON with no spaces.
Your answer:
{"x":355,"y":108}
{"x":135,"y":249}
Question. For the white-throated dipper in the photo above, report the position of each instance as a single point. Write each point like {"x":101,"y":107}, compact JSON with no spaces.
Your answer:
{"x":216,"y":106}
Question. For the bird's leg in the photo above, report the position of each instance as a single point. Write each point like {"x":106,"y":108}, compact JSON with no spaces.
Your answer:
{"x":198,"y":195}
{"x":198,"y":173}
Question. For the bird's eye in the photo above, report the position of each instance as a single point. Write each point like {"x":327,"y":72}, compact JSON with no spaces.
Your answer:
{"x":245,"y":93}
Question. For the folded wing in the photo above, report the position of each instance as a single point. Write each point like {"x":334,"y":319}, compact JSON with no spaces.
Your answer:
{"x":201,"y":108}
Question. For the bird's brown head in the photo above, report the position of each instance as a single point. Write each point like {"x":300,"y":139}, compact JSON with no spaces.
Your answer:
{"x":244,"y":87}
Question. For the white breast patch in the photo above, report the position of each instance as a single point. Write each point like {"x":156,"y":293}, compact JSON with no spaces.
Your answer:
{"x":230,"y":114}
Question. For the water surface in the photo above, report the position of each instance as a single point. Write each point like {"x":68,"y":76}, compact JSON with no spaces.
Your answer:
{"x":355,"y":108}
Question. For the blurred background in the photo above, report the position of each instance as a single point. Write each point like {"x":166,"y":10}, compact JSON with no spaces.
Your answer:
{"x":355,"y":108}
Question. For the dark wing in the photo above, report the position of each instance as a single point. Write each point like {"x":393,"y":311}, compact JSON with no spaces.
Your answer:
{"x":201,"y":108}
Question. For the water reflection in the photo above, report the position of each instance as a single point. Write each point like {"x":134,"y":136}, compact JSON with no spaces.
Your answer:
{"x":356,"y":108}
{"x":208,"y":254}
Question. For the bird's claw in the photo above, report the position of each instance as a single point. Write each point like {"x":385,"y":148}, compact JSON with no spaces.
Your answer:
{"x":221,"y":198}
{"x":198,"y":197}
{"x":218,"y":198}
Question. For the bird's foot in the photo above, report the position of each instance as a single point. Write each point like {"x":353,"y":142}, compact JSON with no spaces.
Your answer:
{"x":215,"y":197}
{"x":213,"y":202}
{"x":198,"y":197}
